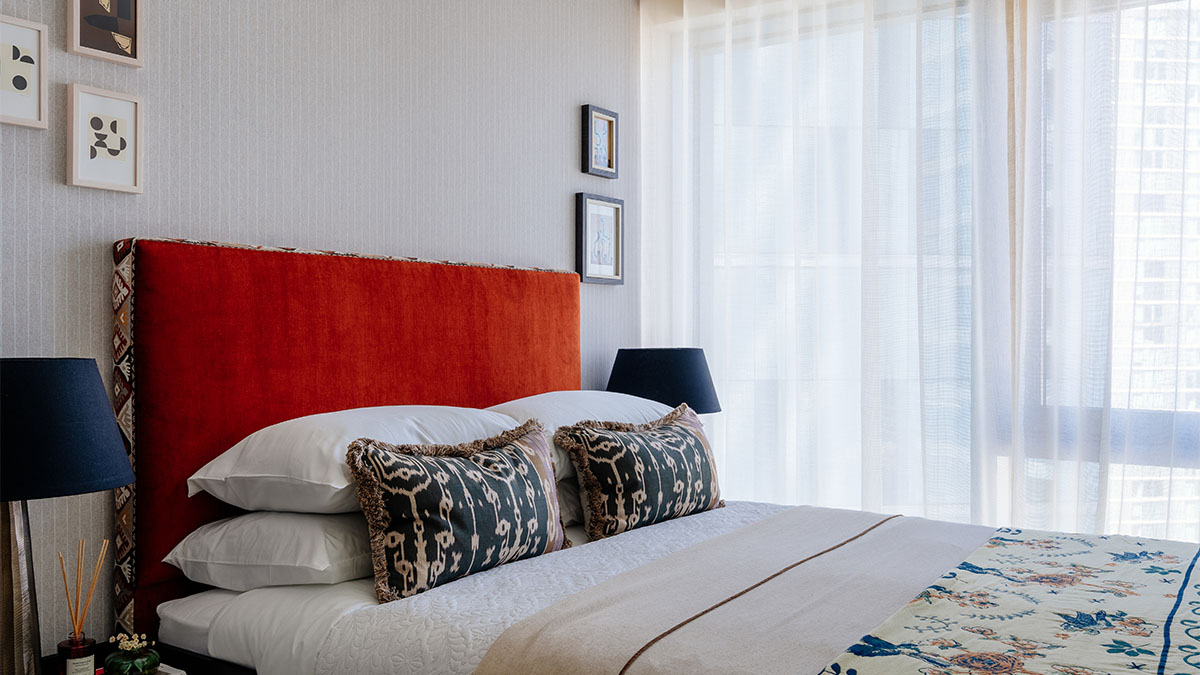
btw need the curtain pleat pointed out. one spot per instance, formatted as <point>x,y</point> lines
<point>18,605</point>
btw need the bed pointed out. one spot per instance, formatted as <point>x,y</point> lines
<point>214,341</point>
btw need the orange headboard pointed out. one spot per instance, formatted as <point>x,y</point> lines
<point>213,342</point>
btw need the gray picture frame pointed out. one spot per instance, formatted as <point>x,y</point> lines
<point>594,164</point>
<point>590,272</point>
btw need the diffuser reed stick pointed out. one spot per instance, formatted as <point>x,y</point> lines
<point>67,589</point>
<point>78,586</point>
<point>95,575</point>
<point>77,606</point>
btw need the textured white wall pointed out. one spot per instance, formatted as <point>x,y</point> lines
<point>438,128</point>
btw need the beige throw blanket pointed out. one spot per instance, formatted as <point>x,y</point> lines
<point>785,595</point>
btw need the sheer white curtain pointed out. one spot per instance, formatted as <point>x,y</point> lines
<point>944,257</point>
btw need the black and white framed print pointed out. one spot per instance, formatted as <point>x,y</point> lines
<point>106,29</point>
<point>599,239</point>
<point>23,73</point>
<point>599,141</point>
<point>106,139</point>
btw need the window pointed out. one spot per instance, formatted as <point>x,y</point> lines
<point>1156,298</point>
<point>831,208</point>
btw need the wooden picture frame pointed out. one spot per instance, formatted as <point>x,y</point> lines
<point>600,141</point>
<point>599,239</point>
<point>91,143</point>
<point>90,22</point>
<point>19,76</point>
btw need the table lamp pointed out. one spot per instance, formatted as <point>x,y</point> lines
<point>670,375</point>
<point>58,437</point>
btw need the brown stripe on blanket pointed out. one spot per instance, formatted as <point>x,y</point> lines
<point>799,621</point>
<point>746,590</point>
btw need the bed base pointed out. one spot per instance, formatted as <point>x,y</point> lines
<point>198,664</point>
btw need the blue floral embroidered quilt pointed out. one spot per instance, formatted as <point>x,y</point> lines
<point>1041,603</point>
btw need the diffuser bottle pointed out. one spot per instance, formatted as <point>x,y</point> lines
<point>77,656</point>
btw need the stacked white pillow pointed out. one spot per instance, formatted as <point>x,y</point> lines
<point>270,548</point>
<point>306,525</point>
<point>562,408</point>
<point>300,464</point>
<point>293,478</point>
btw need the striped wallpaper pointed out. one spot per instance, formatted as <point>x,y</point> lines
<point>442,129</point>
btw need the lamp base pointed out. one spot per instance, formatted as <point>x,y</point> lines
<point>18,598</point>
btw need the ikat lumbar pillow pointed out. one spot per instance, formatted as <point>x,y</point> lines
<point>632,475</point>
<point>440,512</point>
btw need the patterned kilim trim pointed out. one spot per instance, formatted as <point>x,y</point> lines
<point>125,568</point>
<point>343,254</point>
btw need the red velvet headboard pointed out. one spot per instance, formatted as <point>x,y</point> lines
<point>213,342</point>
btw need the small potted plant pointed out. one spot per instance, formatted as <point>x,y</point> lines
<point>132,657</point>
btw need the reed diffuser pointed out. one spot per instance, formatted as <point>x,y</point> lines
<point>77,654</point>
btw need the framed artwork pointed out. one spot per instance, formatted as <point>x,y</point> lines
<point>106,139</point>
<point>599,141</point>
<point>599,239</point>
<point>23,73</point>
<point>106,29</point>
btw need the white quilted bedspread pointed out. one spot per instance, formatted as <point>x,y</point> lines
<point>448,629</point>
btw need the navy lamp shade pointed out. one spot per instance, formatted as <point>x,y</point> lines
<point>671,375</point>
<point>58,435</point>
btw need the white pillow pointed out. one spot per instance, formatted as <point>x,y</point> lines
<point>300,464</point>
<point>562,408</point>
<point>276,549</point>
<point>570,508</point>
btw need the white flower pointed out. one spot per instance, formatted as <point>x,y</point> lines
<point>131,643</point>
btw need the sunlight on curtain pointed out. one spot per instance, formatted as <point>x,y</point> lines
<point>827,210</point>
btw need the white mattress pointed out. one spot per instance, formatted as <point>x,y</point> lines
<point>184,622</point>
<point>340,628</point>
